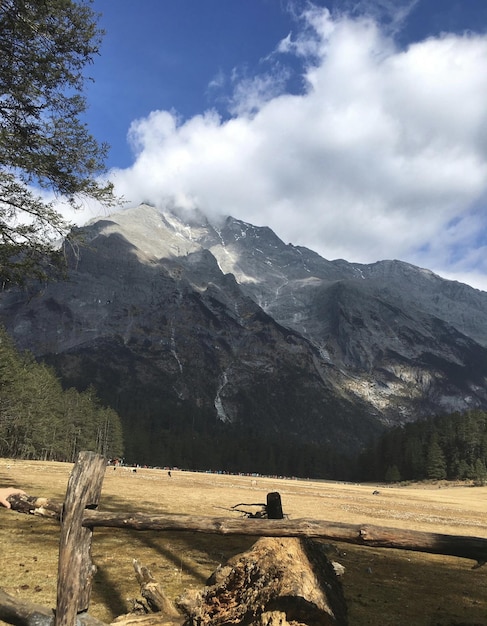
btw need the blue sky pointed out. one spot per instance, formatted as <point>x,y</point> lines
<point>357,128</point>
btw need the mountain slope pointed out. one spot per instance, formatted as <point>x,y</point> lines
<point>192,329</point>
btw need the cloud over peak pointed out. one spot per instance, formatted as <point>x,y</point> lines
<point>381,154</point>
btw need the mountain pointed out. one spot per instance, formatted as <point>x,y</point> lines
<point>220,345</point>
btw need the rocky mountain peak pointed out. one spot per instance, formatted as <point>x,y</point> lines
<point>185,322</point>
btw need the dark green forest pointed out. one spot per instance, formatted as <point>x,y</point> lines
<point>452,447</point>
<point>230,449</point>
<point>40,420</point>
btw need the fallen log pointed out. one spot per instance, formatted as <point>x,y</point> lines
<point>277,582</point>
<point>24,613</point>
<point>474,548</point>
<point>283,581</point>
<point>34,505</point>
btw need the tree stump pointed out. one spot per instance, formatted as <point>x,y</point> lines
<point>274,506</point>
<point>283,581</point>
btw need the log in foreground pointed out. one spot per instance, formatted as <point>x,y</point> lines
<point>24,613</point>
<point>474,548</point>
<point>277,582</point>
<point>280,581</point>
<point>361,534</point>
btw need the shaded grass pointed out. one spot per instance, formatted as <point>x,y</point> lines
<point>396,588</point>
<point>386,587</point>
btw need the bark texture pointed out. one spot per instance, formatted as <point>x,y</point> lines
<point>76,568</point>
<point>278,581</point>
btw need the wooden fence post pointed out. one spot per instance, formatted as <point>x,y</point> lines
<point>75,568</point>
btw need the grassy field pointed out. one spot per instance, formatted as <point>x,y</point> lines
<point>382,586</point>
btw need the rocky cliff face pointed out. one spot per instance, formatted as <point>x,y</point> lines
<point>183,324</point>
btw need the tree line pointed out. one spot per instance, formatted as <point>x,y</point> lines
<point>41,420</point>
<point>443,447</point>
<point>230,449</point>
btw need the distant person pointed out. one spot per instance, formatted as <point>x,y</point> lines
<point>169,474</point>
<point>5,492</point>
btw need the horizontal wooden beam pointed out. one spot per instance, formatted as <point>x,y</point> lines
<point>474,548</point>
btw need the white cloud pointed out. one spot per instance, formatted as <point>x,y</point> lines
<point>250,94</point>
<point>383,156</point>
<point>392,14</point>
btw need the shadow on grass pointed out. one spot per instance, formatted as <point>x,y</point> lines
<point>403,588</point>
<point>196,554</point>
<point>172,557</point>
<point>216,548</point>
<point>7,481</point>
<point>108,593</point>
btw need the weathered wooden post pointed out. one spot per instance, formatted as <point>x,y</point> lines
<point>75,568</point>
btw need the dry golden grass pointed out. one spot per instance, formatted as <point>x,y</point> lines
<point>386,587</point>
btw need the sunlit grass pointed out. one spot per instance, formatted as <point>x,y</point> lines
<point>387,587</point>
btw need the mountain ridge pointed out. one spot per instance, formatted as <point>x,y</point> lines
<point>187,324</point>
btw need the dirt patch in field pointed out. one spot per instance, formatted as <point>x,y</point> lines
<point>387,587</point>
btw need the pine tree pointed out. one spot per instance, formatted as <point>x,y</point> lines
<point>435,461</point>
<point>44,145</point>
<point>39,420</point>
<point>392,474</point>
<point>479,473</point>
